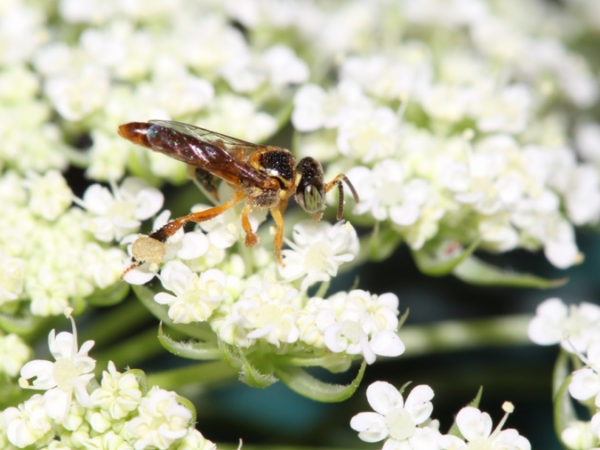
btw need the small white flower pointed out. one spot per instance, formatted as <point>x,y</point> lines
<point>195,441</point>
<point>369,134</point>
<point>107,440</point>
<point>476,428</point>
<point>48,292</point>
<point>268,312</point>
<point>506,111</point>
<point>29,422</point>
<point>108,157</point>
<point>559,242</point>
<point>574,326</point>
<point>12,277</point>
<point>178,92</point>
<point>278,66</point>
<point>402,423</point>
<point>582,198</point>
<point>284,67</point>
<point>161,421</point>
<point>239,117</point>
<point>349,337</point>
<point>595,425</point>
<point>49,194</point>
<point>77,95</point>
<point>374,312</point>
<point>120,212</point>
<point>385,193</point>
<point>315,317</point>
<point>70,374</point>
<point>587,137</point>
<point>119,393</point>
<point>14,353</point>
<point>314,108</point>
<point>317,250</point>
<point>585,383</point>
<point>579,435</point>
<point>196,297</point>
<point>445,102</point>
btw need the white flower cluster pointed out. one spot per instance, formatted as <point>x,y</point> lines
<point>46,256</point>
<point>456,135</point>
<point>406,424</point>
<point>14,353</point>
<point>114,62</point>
<point>577,329</point>
<point>274,309</point>
<point>117,414</point>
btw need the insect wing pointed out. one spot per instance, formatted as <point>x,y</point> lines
<point>221,155</point>
<point>212,137</point>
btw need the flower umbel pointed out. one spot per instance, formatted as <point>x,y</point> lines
<point>403,423</point>
<point>68,375</point>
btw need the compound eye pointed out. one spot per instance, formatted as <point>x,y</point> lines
<point>312,200</point>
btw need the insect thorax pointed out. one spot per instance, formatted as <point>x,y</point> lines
<point>261,198</point>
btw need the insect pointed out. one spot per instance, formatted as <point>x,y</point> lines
<point>263,176</point>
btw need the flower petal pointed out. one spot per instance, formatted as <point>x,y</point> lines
<point>371,426</point>
<point>383,397</point>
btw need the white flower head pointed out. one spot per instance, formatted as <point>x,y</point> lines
<point>267,312</point>
<point>369,134</point>
<point>317,250</point>
<point>314,108</point>
<point>374,312</point>
<point>402,423</point>
<point>49,194</point>
<point>118,395</point>
<point>70,374</point>
<point>120,213</point>
<point>385,193</point>
<point>278,66</point>
<point>14,353</point>
<point>196,297</point>
<point>585,383</point>
<point>476,428</point>
<point>574,326</point>
<point>78,94</point>
<point>161,420</point>
<point>12,277</point>
<point>29,422</point>
<point>348,336</point>
<point>580,434</point>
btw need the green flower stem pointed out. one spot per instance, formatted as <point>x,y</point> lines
<point>464,334</point>
<point>131,352</point>
<point>205,373</point>
<point>116,323</point>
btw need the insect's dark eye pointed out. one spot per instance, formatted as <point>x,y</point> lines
<point>313,201</point>
<point>310,192</point>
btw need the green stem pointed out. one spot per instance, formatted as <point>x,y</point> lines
<point>115,323</point>
<point>464,334</point>
<point>204,373</point>
<point>131,352</point>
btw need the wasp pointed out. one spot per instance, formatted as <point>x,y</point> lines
<point>263,176</point>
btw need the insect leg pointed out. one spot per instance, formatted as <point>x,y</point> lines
<point>338,181</point>
<point>278,241</point>
<point>168,230</point>
<point>251,237</point>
